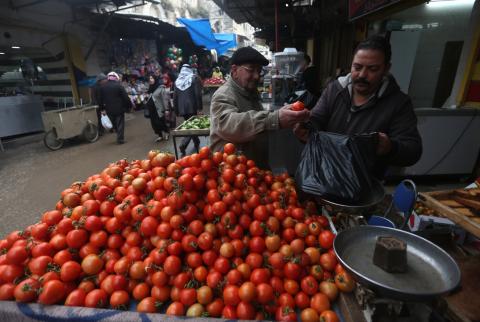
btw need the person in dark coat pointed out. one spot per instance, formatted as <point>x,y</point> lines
<point>157,106</point>
<point>100,80</point>
<point>187,101</point>
<point>114,101</point>
<point>369,100</point>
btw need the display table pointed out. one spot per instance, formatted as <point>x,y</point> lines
<point>179,132</point>
<point>20,312</point>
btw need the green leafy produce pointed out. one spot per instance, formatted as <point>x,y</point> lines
<point>197,123</point>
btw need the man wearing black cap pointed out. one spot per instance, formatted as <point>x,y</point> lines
<point>237,114</point>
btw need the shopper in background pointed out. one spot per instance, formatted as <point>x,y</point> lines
<point>157,105</point>
<point>217,73</point>
<point>237,114</point>
<point>167,81</point>
<point>187,101</point>
<point>100,80</point>
<point>369,100</point>
<point>114,101</point>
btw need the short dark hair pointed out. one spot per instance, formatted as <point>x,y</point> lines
<point>376,42</point>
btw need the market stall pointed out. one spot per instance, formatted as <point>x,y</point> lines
<point>194,126</point>
<point>210,85</point>
<point>141,235</point>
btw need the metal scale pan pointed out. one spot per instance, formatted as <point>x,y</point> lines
<point>431,271</point>
<point>367,199</point>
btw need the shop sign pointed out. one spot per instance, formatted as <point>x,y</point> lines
<point>360,8</point>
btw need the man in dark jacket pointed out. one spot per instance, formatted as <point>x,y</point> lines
<point>114,101</point>
<point>187,101</point>
<point>100,80</point>
<point>369,100</point>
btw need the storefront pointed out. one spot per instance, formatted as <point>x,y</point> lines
<point>435,61</point>
<point>33,78</point>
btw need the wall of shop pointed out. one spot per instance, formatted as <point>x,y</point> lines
<point>333,51</point>
<point>49,35</point>
<point>427,45</point>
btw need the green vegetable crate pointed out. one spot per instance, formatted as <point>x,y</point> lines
<point>196,125</point>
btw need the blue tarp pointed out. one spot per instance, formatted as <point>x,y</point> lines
<point>202,35</point>
<point>226,41</point>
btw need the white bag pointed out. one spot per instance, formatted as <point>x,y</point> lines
<point>106,123</point>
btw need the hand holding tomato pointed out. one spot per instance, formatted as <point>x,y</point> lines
<point>298,106</point>
<point>288,117</point>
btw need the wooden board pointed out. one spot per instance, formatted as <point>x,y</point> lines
<point>348,305</point>
<point>464,305</point>
<point>199,132</point>
<point>431,200</point>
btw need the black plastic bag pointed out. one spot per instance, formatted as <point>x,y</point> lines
<point>337,167</point>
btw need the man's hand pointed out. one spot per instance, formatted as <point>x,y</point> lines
<point>288,118</point>
<point>384,144</point>
<point>301,132</point>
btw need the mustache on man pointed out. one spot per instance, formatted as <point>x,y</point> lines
<point>361,80</point>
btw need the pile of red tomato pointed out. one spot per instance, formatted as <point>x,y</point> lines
<point>213,81</point>
<point>210,234</point>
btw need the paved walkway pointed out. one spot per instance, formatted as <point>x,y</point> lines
<point>32,176</point>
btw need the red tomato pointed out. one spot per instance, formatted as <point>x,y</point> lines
<point>52,292</point>
<point>285,313</point>
<point>17,255</point>
<point>70,271</point>
<point>298,106</point>
<point>245,311</point>
<point>172,265</point>
<point>230,295</point>
<point>328,261</point>
<point>265,293</point>
<point>38,265</point>
<point>344,282</point>
<point>320,302</point>
<point>326,238</point>
<point>176,308</point>
<point>309,285</point>
<point>6,292</point>
<point>188,296</point>
<point>329,316</point>
<point>26,290</point>
<point>76,298</point>
<point>96,298</point>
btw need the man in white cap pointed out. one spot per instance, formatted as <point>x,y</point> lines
<point>114,101</point>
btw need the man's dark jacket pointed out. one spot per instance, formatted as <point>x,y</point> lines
<point>189,101</point>
<point>390,112</point>
<point>113,98</point>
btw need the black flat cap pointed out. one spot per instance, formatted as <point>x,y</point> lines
<point>247,55</point>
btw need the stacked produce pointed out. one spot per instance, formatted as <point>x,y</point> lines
<point>196,123</point>
<point>213,81</point>
<point>206,235</point>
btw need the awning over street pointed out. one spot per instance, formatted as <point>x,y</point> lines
<point>202,35</point>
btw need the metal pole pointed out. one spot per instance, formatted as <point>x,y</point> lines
<point>276,25</point>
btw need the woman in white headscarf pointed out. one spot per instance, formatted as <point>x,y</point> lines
<point>187,101</point>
